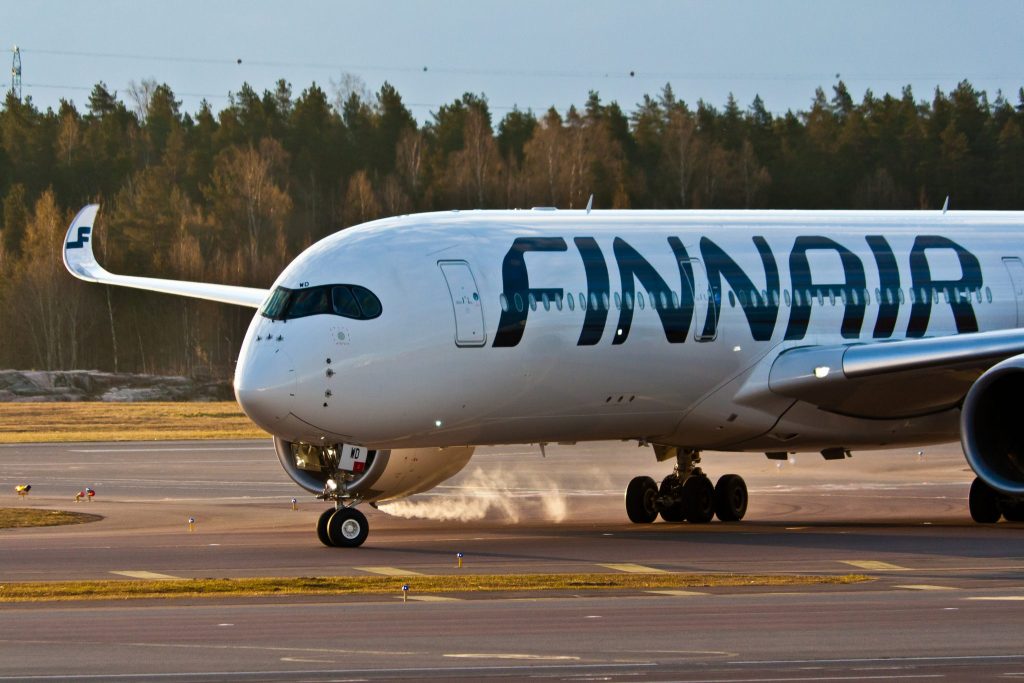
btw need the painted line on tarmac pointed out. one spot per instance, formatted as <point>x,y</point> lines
<point>388,571</point>
<point>430,598</point>
<point>876,565</point>
<point>513,655</point>
<point>680,594</point>
<point>152,576</point>
<point>170,450</point>
<point>926,587</point>
<point>997,598</point>
<point>630,568</point>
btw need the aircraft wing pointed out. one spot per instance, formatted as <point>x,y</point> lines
<point>891,379</point>
<point>80,261</point>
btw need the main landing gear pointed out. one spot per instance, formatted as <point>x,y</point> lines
<point>342,527</point>
<point>988,505</point>
<point>687,494</point>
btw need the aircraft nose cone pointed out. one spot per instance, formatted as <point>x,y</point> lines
<point>265,383</point>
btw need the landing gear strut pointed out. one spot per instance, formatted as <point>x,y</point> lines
<point>687,494</point>
<point>343,527</point>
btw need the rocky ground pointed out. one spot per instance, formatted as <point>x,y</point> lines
<point>92,385</point>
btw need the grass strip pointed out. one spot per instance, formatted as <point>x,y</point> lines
<point>95,421</point>
<point>16,518</point>
<point>363,585</point>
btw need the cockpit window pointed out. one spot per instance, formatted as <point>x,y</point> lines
<point>348,301</point>
<point>368,301</point>
<point>344,303</point>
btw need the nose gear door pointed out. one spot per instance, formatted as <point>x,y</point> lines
<point>469,313</point>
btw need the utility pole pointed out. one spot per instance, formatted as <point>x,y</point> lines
<point>16,73</point>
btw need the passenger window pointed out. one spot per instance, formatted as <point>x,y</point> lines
<point>571,300</point>
<point>821,298</point>
<point>640,300</point>
<point>533,302</point>
<point>732,299</point>
<point>618,302</point>
<point>663,299</point>
<point>558,301</point>
<point>627,300</point>
<point>604,301</point>
<point>913,295</point>
<point>788,300</point>
<point>583,302</point>
<point>503,300</point>
<point>675,300</point>
<point>546,301</point>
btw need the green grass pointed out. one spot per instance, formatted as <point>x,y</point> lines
<point>14,518</point>
<point>382,585</point>
<point>93,421</point>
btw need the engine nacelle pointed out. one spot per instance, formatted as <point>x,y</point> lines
<point>386,474</point>
<point>992,427</point>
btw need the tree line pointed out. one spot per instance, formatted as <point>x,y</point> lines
<point>233,195</point>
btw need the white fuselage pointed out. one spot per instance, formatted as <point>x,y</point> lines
<point>466,351</point>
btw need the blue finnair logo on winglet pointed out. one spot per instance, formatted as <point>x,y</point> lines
<point>83,237</point>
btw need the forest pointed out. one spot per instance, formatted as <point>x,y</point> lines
<point>233,195</point>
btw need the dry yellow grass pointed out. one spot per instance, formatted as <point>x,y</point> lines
<point>49,422</point>
<point>14,518</point>
<point>347,585</point>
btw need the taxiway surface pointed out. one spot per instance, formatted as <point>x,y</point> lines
<point>948,599</point>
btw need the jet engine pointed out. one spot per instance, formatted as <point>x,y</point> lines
<point>372,475</point>
<point>992,427</point>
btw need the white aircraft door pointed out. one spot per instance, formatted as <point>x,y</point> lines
<point>702,298</point>
<point>469,313</point>
<point>1016,269</point>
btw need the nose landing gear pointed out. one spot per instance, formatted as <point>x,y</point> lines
<point>687,494</point>
<point>343,527</point>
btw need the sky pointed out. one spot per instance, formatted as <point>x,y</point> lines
<point>526,53</point>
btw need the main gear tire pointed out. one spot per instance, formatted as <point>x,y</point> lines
<point>730,498</point>
<point>698,499</point>
<point>984,503</point>
<point>641,500</point>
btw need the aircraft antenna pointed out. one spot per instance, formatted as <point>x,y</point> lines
<point>590,204</point>
<point>16,73</point>
<point>945,205</point>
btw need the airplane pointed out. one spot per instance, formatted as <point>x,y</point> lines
<point>386,352</point>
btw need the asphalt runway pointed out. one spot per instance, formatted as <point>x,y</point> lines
<point>947,600</point>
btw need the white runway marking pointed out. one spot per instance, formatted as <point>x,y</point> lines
<point>525,657</point>
<point>431,598</point>
<point>202,449</point>
<point>630,568</point>
<point>994,598</point>
<point>875,565</point>
<point>926,587</point>
<point>680,594</point>
<point>388,571</point>
<point>154,576</point>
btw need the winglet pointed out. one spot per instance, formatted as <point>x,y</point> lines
<point>81,262</point>
<point>78,256</point>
